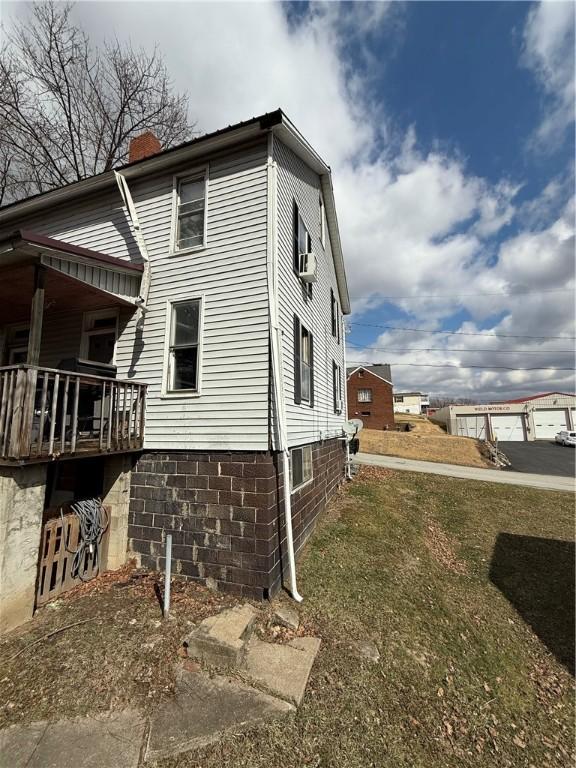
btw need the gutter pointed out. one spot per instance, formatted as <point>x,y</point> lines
<point>133,214</point>
<point>276,363</point>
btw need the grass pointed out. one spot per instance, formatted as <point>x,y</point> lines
<point>465,587</point>
<point>463,680</point>
<point>428,442</point>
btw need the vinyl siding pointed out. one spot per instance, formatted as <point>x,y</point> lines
<point>232,411</point>
<point>305,424</point>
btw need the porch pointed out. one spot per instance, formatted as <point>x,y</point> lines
<point>48,414</point>
<point>63,310</point>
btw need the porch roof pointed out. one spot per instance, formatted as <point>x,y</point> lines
<point>77,277</point>
<point>25,242</point>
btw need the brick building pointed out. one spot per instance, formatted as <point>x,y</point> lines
<point>370,396</point>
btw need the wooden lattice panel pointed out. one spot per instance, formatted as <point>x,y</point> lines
<point>60,537</point>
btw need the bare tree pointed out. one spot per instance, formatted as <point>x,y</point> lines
<point>68,110</point>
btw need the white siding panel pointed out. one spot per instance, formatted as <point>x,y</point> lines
<point>232,411</point>
<point>297,181</point>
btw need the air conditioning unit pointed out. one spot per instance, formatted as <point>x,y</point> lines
<point>308,268</point>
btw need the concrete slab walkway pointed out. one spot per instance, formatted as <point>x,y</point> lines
<point>109,740</point>
<point>204,708</point>
<point>544,482</point>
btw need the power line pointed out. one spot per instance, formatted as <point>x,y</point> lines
<point>476,295</point>
<point>466,351</point>
<point>462,333</point>
<point>461,367</point>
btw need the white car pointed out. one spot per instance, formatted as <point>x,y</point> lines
<point>566,438</point>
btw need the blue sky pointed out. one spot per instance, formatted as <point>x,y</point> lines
<point>450,131</point>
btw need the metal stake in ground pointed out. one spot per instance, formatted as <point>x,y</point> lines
<point>167,574</point>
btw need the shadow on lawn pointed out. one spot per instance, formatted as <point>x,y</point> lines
<point>537,577</point>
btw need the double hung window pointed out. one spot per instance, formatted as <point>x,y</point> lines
<point>183,348</point>
<point>190,213</point>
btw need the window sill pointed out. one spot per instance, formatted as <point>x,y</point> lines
<point>179,393</point>
<point>301,487</point>
<point>185,251</point>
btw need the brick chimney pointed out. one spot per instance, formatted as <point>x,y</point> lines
<point>145,145</point>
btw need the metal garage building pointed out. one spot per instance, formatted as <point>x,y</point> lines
<point>538,417</point>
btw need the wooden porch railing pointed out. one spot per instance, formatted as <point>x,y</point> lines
<point>46,414</point>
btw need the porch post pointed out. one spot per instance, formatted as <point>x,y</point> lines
<point>36,316</point>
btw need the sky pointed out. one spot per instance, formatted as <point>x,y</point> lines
<point>449,128</point>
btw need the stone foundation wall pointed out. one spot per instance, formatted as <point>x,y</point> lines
<point>224,513</point>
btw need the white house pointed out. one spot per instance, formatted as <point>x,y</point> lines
<point>410,402</point>
<point>172,343</point>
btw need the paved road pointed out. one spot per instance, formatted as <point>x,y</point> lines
<point>545,482</point>
<point>543,457</point>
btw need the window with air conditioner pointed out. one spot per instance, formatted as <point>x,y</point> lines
<point>364,395</point>
<point>301,471</point>
<point>304,261</point>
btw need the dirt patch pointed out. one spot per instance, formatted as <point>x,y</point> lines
<point>438,447</point>
<point>102,646</point>
<point>420,424</point>
<point>441,548</point>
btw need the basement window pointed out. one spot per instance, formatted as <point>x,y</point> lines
<point>300,467</point>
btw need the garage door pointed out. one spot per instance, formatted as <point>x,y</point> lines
<point>508,427</point>
<point>573,414</point>
<point>548,423</point>
<point>471,426</point>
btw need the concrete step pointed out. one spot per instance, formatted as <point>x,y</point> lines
<point>282,670</point>
<point>221,640</point>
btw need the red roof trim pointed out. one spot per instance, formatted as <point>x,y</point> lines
<point>32,238</point>
<point>535,397</point>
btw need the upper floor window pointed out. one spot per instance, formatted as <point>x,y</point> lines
<point>99,334</point>
<point>303,364</point>
<point>398,398</point>
<point>322,215</point>
<point>301,243</point>
<point>364,395</point>
<point>190,224</point>
<point>333,313</point>
<point>183,345</point>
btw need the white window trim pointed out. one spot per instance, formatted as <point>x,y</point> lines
<point>193,173</point>
<point>311,479</point>
<point>180,393</point>
<point>87,333</point>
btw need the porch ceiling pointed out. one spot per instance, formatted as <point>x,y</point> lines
<point>62,293</point>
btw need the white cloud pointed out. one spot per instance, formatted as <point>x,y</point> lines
<point>548,50</point>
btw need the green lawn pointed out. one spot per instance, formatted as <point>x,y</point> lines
<point>467,589</point>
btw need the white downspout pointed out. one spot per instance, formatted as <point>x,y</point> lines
<point>276,355</point>
<point>132,213</point>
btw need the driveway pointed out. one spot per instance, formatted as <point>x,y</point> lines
<point>542,457</point>
<point>544,482</point>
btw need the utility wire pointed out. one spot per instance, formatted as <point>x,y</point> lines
<point>461,333</point>
<point>466,351</point>
<point>475,295</point>
<point>482,367</point>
